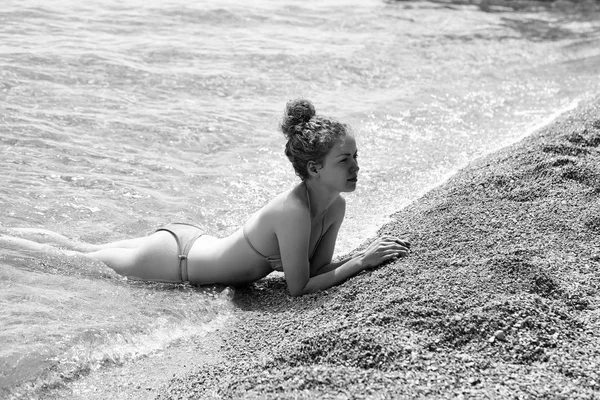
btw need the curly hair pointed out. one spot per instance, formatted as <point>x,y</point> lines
<point>309,136</point>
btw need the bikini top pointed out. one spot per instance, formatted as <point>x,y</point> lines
<point>275,261</point>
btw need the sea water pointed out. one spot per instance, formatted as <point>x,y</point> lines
<point>119,116</point>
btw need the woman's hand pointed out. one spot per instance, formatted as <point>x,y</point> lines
<point>384,249</point>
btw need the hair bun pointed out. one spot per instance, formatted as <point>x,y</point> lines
<point>297,113</point>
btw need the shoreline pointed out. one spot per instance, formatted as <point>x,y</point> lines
<point>499,297</point>
<point>140,378</point>
<point>429,325</point>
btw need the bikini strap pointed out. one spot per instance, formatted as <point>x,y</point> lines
<point>309,209</point>
<point>307,197</point>
<point>322,220</point>
<point>250,243</point>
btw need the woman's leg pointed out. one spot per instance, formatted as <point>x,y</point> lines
<point>6,241</point>
<point>56,239</point>
<point>121,244</point>
<point>50,237</point>
<point>153,258</point>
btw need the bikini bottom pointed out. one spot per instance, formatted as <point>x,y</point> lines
<point>185,235</point>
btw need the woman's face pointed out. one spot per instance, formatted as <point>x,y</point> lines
<point>340,168</point>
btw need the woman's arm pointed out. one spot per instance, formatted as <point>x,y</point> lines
<point>336,275</point>
<point>324,254</point>
<point>379,251</point>
<point>293,235</point>
<point>321,262</point>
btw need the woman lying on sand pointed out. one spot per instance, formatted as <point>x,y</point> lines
<point>294,233</point>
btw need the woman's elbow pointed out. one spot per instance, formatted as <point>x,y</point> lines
<point>297,291</point>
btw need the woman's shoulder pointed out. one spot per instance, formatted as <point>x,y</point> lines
<point>284,208</point>
<point>292,202</point>
<point>288,203</point>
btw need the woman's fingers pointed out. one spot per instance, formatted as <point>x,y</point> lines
<point>401,253</point>
<point>395,247</point>
<point>392,255</point>
<point>402,242</point>
<point>387,248</point>
<point>395,239</point>
<point>394,251</point>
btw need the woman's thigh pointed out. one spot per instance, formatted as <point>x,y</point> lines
<point>155,258</point>
<point>126,243</point>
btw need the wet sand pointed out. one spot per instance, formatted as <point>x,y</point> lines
<point>499,297</point>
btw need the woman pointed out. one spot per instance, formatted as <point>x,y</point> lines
<point>294,233</point>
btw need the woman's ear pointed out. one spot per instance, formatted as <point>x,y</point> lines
<point>313,169</point>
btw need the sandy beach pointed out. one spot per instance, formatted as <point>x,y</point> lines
<point>499,297</point>
<point>118,118</point>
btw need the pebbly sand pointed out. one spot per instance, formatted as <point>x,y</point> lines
<point>499,297</point>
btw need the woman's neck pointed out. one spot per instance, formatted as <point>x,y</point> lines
<point>319,198</point>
